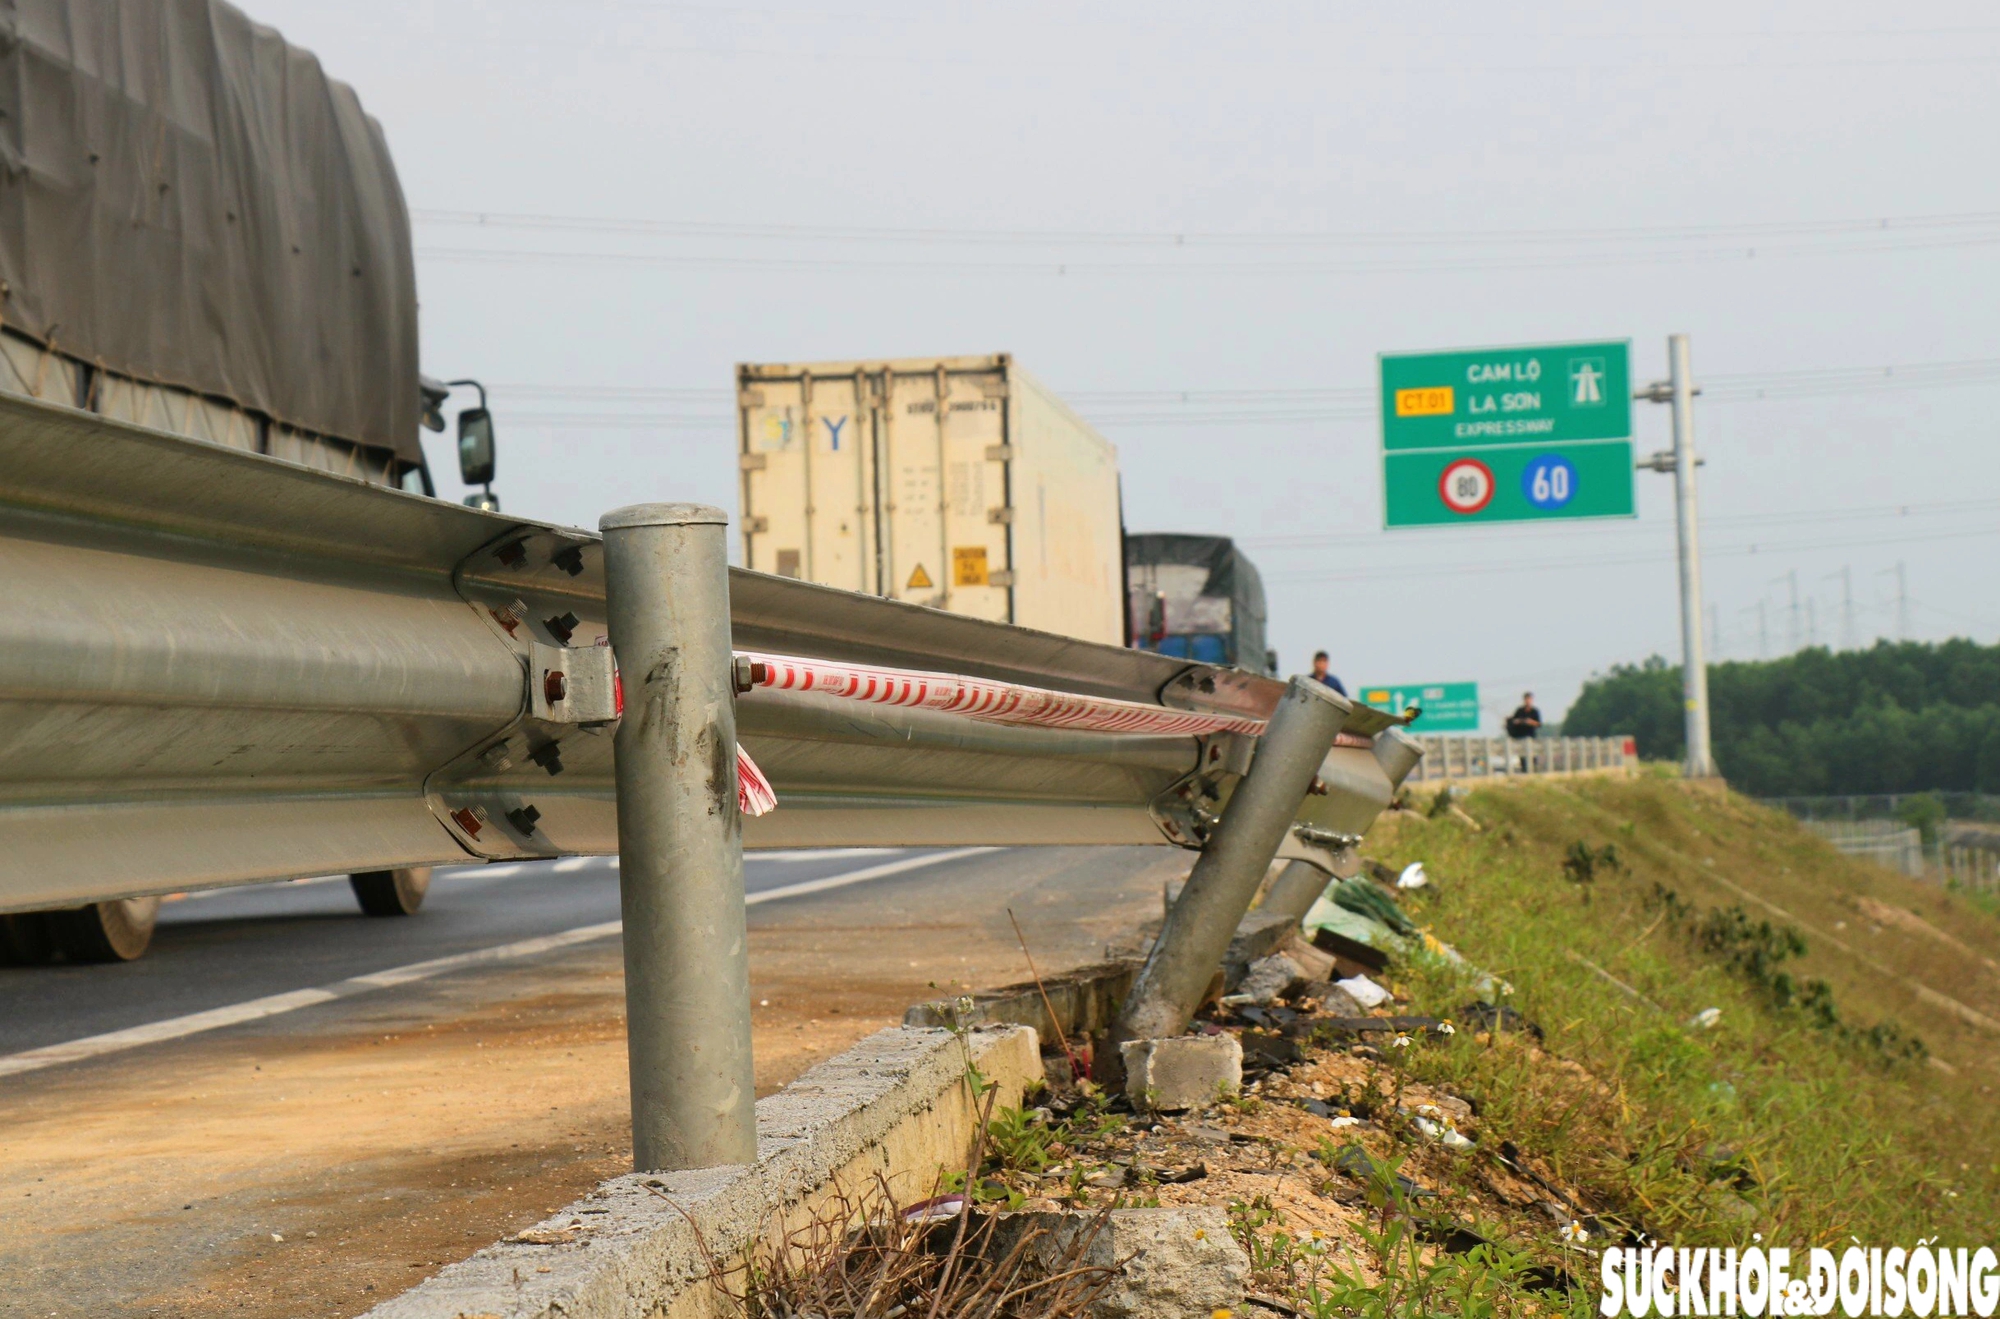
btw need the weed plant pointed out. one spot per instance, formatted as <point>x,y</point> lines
<point>1779,1113</point>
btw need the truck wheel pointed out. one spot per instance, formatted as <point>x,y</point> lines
<point>115,931</point>
<point>25,939</point>
<point>391,892</point>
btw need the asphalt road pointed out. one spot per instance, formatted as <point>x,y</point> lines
<point>213,1163</point>
<point>226,946</point>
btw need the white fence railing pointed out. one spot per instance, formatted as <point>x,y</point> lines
<point>1886,842</point>
<point>1900,847</point>
<point>1469,757</point>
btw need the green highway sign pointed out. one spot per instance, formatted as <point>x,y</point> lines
<point>1448,707</point>
<point>1425,488</point>
<point>1507,434</point>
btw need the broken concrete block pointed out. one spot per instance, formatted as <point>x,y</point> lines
<point>1178,1261</point>
<point>1187,1071</point>
<point>1267,980</point>
<point>1258,935</point>
<point>1313,963</point>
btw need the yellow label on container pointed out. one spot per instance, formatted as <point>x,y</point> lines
<point>919,580</point>
<point>1434,401</point>
<point>968,565</point>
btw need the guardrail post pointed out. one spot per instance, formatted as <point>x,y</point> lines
<point>680,839</point>
<point>1239,851</point>
<point>1295,890</point>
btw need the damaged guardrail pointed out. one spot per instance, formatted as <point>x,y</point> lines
<point>218,668</point>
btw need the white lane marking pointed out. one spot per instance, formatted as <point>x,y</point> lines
<point>271,1005</point>
<point>861,876</point>
<point>818,853</point>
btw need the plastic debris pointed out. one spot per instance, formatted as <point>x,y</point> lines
<point>1706,1019</point>
<point>1444,1133</point>
<point>1364,991</point>
<point>936,1209</point>
<point>1366,899</point>
<point>1413,876</point>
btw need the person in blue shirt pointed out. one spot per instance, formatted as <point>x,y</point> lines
<point>1320,673</point>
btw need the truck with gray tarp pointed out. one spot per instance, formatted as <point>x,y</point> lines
<point>1196,598</point>
<point>202,233</point>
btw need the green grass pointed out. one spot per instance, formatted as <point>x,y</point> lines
<point>1832,1097</point>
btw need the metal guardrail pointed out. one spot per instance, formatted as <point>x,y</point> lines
<point>216,667</point>
<point>1449,756</point>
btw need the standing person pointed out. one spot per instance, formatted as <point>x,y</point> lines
<point>1320,674</point>
<point>1525,724</point>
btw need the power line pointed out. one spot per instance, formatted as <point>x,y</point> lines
<point>1633,529</point>
<point>1404,571</point>
<point>1238,407</point>
<point>1979,222</point>
<point>1510,261</point>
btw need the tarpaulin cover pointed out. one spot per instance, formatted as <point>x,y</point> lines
<point>190,201</point>
<point>1231,577</point>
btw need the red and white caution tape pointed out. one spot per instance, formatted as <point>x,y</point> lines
<point>991,702</point>
<point>754,794</point>
<point>974,698</point>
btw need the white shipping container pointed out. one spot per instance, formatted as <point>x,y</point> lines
<point>955,482</point>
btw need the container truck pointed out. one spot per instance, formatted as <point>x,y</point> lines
<point>204,234</point>
<point>1196,598</point>
<point>956,482</point>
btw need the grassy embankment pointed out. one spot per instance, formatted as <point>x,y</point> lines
<point>1847,1087</point>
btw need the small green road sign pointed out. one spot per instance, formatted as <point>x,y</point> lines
<point>1448,707</point>
<point>1507,434</point>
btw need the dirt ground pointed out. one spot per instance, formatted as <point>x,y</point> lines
<point>321,1162</point>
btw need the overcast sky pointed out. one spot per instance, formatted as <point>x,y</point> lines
<point>1347,180</point>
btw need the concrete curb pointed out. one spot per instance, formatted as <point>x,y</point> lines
<point>639,1246</point>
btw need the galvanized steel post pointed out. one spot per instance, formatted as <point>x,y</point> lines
<point>680,839</point>
<point>1295,890</point>
<point>1239,851</point>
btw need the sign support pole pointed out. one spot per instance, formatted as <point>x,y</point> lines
<point>1679,391</point>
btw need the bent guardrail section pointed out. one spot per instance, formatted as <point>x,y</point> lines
<point>219,667</point>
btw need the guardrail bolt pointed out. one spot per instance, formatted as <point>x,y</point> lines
<point>746,673</point>
<point>555,686</point>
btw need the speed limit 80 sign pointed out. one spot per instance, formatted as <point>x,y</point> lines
<point>1466,486</point>
<point>1506,434</point>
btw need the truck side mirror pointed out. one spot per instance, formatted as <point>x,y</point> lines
<point>475,446</point>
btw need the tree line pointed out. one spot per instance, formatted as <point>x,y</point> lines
<point>1898,717</point>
